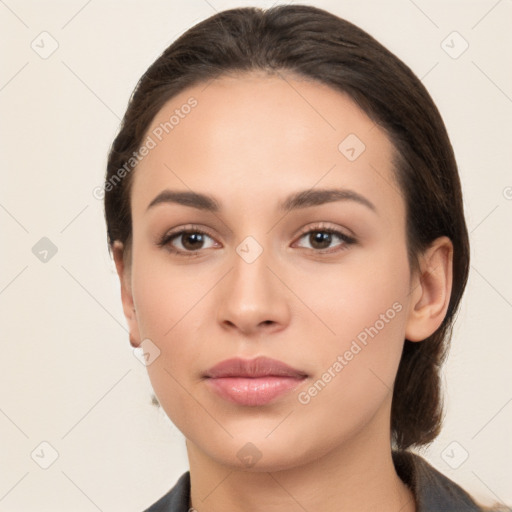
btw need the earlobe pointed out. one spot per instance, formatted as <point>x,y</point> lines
<point>431,291</point>
<point>126,293</point>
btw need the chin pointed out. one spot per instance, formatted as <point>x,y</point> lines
<point>254,460</point>
<point>257,453</point>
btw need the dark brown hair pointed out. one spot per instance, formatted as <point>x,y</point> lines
<point>315,44</point>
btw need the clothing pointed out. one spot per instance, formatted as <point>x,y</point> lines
<point>433,491</point>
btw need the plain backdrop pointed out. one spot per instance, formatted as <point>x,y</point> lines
<point>69,378</point>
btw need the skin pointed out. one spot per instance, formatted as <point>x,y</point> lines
<point>251,140</point>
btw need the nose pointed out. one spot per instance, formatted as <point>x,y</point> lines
<point>252,299</point>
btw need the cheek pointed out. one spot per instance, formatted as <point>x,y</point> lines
<point>164,293</point>
<point>366,290</point>
<point>357,366</point>
<point>170,305</point>
<point>364,308</point>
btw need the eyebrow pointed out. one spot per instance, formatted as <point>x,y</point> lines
<point>297,200</point>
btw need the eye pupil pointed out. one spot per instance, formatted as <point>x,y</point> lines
<point>321,237</point>
<point>195,238</point>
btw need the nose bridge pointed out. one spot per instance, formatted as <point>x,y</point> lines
<point>251,279</point>
<point>252,296</point>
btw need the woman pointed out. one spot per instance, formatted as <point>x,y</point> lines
<point>285,213</point>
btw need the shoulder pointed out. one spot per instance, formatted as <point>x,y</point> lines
<point>175,500</point>
<point>433,490</point>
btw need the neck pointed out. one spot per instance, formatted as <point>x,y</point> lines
<point>359,475</point>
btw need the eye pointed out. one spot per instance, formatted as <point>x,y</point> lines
<point>321,238</point>
<point>191,240</point>
<point>186,242</point>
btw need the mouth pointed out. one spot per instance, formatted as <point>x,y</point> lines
<point>252,382</point>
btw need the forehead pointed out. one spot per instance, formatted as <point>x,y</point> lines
<point>260,136</point>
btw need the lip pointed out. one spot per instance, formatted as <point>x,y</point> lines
<point>252,382</point>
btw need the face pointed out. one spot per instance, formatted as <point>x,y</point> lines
<point>321,284</point>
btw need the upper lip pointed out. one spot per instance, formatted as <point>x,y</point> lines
<point>258,367</point>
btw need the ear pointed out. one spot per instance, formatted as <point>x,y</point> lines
<point>431,290</point>
<point>123,271</point>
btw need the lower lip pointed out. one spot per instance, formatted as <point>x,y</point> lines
<point>252,391</point>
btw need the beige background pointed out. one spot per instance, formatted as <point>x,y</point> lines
<point>68,375</point>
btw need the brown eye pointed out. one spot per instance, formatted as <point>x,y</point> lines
<point>320,239</point>
<point>186,242</point>
<point>323,240</point>
<point>192,241</point>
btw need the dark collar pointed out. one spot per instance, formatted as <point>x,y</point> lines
<point>433,491</point>
<point>177,499</point>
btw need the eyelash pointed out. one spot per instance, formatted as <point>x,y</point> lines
<point>168,237</point>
